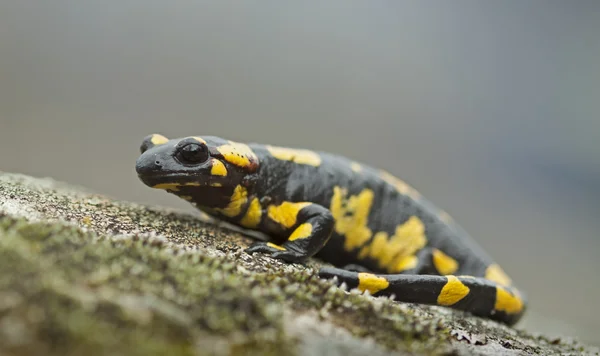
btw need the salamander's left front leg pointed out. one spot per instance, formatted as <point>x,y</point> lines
<point>310,226</point>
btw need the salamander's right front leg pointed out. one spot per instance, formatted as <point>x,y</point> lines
<point>310,226</point>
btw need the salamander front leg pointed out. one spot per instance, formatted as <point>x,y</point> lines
<point>309,234</point>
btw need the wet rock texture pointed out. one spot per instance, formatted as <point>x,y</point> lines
<point>84,274</point>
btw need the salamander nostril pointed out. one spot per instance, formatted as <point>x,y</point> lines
<point>149,164</point>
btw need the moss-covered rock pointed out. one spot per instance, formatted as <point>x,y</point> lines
<point>83,274</point>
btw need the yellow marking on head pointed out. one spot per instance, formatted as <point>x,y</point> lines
<point>218,168</point>
<point>286,213</point>
<point>496,274</point>
<point>299,156</point>
<point>452,292</point>
<point>281,248</point>
<point>170,186</point>
<point>389,252</point>
<point>199,139</point>
<point>444,263</point>
<point>236,201</point>
<point>445,217</point>
<point>371,282</point>
<point>405,263</point>
<point>351,216</point>
<point>158,139</point>
<point>238,154</point>
<point>303,231</point>
<point>252,217</point>
<point>400,185</point>
<point>507,302</point>
<point>216,184</point>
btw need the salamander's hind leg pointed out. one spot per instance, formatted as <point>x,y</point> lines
<point>309,234</point>
<point>476,295</point>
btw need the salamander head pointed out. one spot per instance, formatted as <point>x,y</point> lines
<point>204,170</point>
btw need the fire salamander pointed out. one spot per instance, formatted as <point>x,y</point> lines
<point>380,233</point>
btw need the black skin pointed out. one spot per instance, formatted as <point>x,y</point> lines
<point>183,167</point>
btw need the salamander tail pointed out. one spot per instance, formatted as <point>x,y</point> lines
<point>476,295</point>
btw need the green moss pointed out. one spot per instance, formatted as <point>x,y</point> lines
<point>73,295</point>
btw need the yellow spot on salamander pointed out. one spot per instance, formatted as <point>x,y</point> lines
<point>277,247</point>
<point>405,263</point>
<point>286,213</point>
<point>356,167</point>
<point>199,139</point>
<point>218,168</point>
<point>303,231</point>
<point>378,250</point>
<point>168,186</point>
<point>371,282</point>
<point>158,139</point>
<point>216,184</point>
<point>239,154</point>
<point>237,200</point>
<point>351,216</point>
<point>496,274</point>
<point>445,217</point>
<point>252,217</point>
<point>295,155</point>
<point>400,185</point>
<point>444,263</point>
<point>408,238</point>
<point>452,292</point>
<point>507,302</point>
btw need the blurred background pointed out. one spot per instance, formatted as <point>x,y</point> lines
<point>490,109</point>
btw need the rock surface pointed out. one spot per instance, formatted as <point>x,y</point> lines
<point>84,274</point>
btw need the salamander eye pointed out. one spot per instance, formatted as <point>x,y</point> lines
<point>192,153</point>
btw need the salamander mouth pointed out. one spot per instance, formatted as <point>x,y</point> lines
<point>183,179</point>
